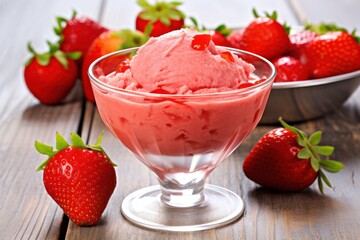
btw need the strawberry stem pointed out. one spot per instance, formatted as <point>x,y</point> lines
<point>314,153</point>
<point>61,144</point>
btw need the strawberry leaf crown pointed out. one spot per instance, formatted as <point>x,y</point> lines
<point>61,24</point>
<point>274,16</point>
<point>61,144</point>
<point>318,155</point>
<point>223,30</point>
<point>323,28</point>
<point>54,51</point>
<point>160,11</point>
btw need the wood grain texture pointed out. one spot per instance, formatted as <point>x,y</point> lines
<point>26,211</point>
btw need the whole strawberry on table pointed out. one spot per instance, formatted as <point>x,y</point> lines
<point>50,76</point>
<point>80,178</point>
<point>286,159</point>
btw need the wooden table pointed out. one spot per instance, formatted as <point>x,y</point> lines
<point>27,212</point>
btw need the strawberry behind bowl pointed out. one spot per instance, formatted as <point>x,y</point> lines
<point>331,55</point>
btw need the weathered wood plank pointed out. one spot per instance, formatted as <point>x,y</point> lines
<point>26,211</point>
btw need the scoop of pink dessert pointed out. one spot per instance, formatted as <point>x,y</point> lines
<point>169,64</point>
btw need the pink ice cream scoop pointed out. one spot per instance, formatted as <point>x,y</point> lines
<point>205,108</point>
<point>170,64</point>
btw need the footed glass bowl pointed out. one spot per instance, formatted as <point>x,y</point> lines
<point>181,139</point>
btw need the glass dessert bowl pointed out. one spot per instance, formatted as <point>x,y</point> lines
<point>181,139</point>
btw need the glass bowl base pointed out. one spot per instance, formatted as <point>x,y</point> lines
<point>145,208</point>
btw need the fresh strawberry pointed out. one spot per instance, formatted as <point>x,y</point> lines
<point>235,37</point>
<point>331,54</point>
<point>80,178</point>
<point>289,69</point>
<point>159,18</point>
<point>265,36</point>
<point>50,76</point>
<point>77,33</point>
<point>299,41</point>
<point>105,43</point>
<point>286,159</point>
<point>219,36</point>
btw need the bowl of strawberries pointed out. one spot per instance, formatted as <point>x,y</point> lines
<point>318,66</point>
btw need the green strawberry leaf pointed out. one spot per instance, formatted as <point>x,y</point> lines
<point>99,140</point>
<point>74,55</point>
<point>301,142</point>
<point>144,4</point>
<point>61,57</point>
<point>304,154</point>
<point>43,59</point>
<point>325,179</point>
<point>149,16</point>
<point>174,15</point>
<point>165,20</point>
<point>320,184</point>
<point>315,163</point>
<point>332,165</point>
<point>324,150</point>
<point>61,143</point>
<point>77,141</point>
<point>44,148</point>
<point>315,138</point>
<point>175,3</point>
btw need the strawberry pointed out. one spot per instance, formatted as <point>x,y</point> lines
<point>286,159</point>
<point>265,36</point>
<point>80,178</point>
<point>219,36</point>
<point>333,53</point>
<point>235,37</point>
<point>50,76</point>
<point>299,41</point>
<point>159,18</point>
<point>77,33</point>
<point>289,69</point>
<point>105,43</point>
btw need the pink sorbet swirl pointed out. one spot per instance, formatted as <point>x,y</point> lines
<point>169,64</point>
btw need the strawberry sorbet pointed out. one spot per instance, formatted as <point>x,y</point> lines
<point>205,109</point>
<point>170,64</point>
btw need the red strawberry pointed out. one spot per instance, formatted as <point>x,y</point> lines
<point>77,33</point>
<point>219,36</point>
<point>299,41</point>
<point>50,76</point>
<point>105,43</point>
<point>265,36</point>
<point>80,178</point>
<point>162,17</point>
<point>286,159</point>
<point>289,69</point>
<point>235,37</point>
<point>331,54</point>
